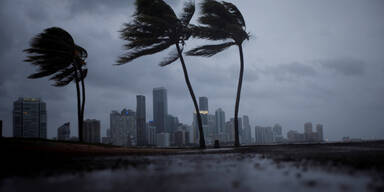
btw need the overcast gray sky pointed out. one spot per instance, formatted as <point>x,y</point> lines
<point>308,60</point>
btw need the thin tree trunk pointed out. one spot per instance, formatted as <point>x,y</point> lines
<point>79,119</point>
<point>237,141</point>
<point>83,96</point>
<point>201,133</point>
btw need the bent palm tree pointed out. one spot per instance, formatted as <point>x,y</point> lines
<point>222,21</point>
<point>56,55</point>
<point>155,28</point>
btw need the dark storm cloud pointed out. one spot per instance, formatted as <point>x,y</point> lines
<point>303,65</point>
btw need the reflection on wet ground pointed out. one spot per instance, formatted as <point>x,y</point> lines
<point>201,172</point>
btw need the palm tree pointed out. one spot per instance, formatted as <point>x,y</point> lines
<point>56,54</point>
<point>222,21</point>
<point>155,27</point>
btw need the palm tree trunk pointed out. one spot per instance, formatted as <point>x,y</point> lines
<point>83,97</point>
<point>79,115</point>
<point>237,141</point>
<point>201,133</point>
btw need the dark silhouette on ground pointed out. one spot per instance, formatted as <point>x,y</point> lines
<point>28,157</point>
<point>155,28</point>
<point>222,21</point>
<point>55,54</point>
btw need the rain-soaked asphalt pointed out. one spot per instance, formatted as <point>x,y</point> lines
<point>201,172</point>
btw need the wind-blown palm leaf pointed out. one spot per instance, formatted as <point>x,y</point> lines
<point>209,33</point>
<point>188,11</point>
<point>172,57</point>
<point>142,52</point>
<point>209,50</point>
<point>155,27</point>
<point>222,21</point>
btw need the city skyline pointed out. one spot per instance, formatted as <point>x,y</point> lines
<point>337,82</point>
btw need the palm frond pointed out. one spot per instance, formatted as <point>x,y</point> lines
<point>188,11</point>
<point>134,54</point>
<point>155,8</point>
<point>236,14</point>
<point>209,50</point>
<point>209,33</point>
<point>172,57</point>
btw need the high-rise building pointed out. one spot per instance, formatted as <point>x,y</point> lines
<point>123,128</point>
<point>212,131</point>
<point>277,133</point>
<point>247,137</point>
<point>220,120</point>
<point>91,131</point>
<point>263,135</point>
<point>29,118</point>
<point>172,123</point>
<point>203,106</point>
<point>141,124</point>
<point>151,130</point>
<point>160,109</point>
<point>162,139</point>
<point>308,131</point>
<point>64,132</point>
<point>319,131</point>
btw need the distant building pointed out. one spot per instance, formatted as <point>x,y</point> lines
<point>141,124</point>
<point>277,133</point>
<point>263,135</point>
<point>108,139</point>
<point>295,137</point>
<point>151,130</point>
<point>64,132</point>
<point>220,122</point>
<point>162,140</point>
<point>160,109</point>
<point>123,127</point>
<point>247,135</point>
<point>310,136</point>
<point>91,131</point>
<point>172,123</point>
<point>203,107</point>
<point>212,133</point>
<point>29,118</point>
<point>319,130</point>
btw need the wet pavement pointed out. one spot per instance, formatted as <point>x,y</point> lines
<point>201,172</point>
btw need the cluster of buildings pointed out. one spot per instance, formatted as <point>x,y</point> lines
<point>216,127</point>
<point>309,135</point>
<point>131,128</point>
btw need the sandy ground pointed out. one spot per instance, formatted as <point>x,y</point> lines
<point>52,166</point>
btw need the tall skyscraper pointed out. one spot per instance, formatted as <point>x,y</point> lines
<point>29,118</point>
<point>203,106</point>
<point>141,124</point>
<point>91,131</point>
<point>151,130</point>
<point>319,131</point>
<point>308,131</point>
<point>160,109</point>
<point>123,128</point>
<point>64,132</point>
<point>247,137</point>
<point>220,120</point>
